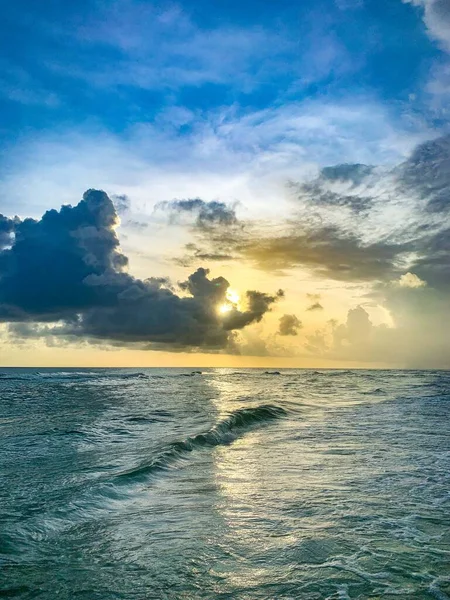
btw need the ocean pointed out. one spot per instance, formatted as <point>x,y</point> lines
<point>174,484</point>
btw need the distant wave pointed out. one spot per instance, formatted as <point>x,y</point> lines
<point>6,377</point>
<point>239,373</point>
<point>191,374</point>
<point>71,375</point>
<point>223,433</point>
<point>97,374</point>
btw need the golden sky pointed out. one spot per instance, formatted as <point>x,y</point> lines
<point>226,187</point>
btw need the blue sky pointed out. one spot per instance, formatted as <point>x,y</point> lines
<point>241,105</point>
<point>196,82</point>
<point>113,64</point>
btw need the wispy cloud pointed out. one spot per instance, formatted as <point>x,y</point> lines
<point>225,155</point>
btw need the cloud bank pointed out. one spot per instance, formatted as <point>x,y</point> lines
<point>351,223</point>
<point>68,268</point>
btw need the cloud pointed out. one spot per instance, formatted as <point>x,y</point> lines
<point>289,325</point>
<point>315,304</point>
<point>357,339</point>
<point>410,280</point>
<point>337,186</point>
<point>436,16</point>
<point>157,48</point>
<point>414,339</point>
<point>328,251</point>
<point>43,273</point>
<point>168,47</point>
<point>206,214</point>
<point>7,227</point>
<point>67,268</point>
<point>136,225</point>
<point>224,155</point>
<point>353,222</point>
<point>121,202</point>
<point>194,254</point>
<point>258,304</point>
<point>356,331</point>
<point>426,174</point>
<point>433,263</point>
<point>18,85</point>
<point>214,224</point>
<point>356,223</point>
<point>317,343</point>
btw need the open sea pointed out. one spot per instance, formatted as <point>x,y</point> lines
<point>168,484</point>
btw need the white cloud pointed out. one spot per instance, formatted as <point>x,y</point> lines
<point>226,155</point>
<point>410,280</point>
<point>157,48</point>
<point>436,16</point>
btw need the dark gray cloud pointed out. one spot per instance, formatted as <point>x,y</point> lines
<point>43,275</point>
<point>328,251</point>
<point>427,174</point>
<point>433,262</point>
<point>68,267</point>
<point>354,173</point>
<point>328,188</point>
<point>258,304</point>
<point>205,214</point>
<point>289,325</point>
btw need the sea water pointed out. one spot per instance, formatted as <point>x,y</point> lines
<point>169,484</point>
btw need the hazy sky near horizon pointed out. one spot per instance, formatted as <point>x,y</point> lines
<point>251,183</point>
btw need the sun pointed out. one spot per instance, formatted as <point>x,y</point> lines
<point>224,308</point>
<point>232,301</point>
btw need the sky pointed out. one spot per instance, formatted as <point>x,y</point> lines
<point>225,184</point>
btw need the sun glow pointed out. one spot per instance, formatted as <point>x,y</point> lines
<point>224,308</point>
<point>232,296</point>
<point>232,301</point>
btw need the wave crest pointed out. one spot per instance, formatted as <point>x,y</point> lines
<point>225,432</point>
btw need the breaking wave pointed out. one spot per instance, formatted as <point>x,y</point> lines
<point>223,433</point>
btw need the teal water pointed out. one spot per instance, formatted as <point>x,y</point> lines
<point>155,483</point>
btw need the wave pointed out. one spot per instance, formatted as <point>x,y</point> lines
<point>88,374</point>
<point>71,375</point>
<point>334,373</point>
<point>240,373</point>
<point>375,392</point>
<point>191,374</point>
<point>223,433</point>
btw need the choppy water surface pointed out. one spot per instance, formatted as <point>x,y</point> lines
<point>158,484</point>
